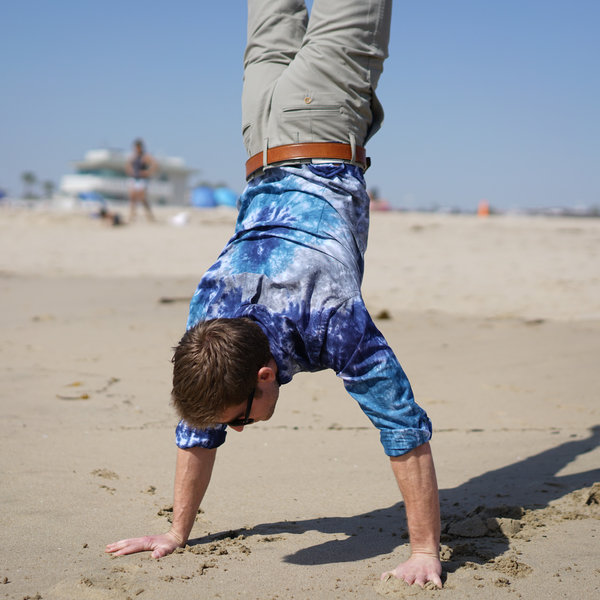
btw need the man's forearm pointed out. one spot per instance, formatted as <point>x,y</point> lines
<point>415,474</point>
<point>192,476</point>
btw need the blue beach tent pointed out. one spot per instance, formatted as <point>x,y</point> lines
<point>91,197</point>
<point>225,197</point>
<point>203,197</point>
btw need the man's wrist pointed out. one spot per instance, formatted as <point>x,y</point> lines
<point>430,552</point>
<point>180,539</point>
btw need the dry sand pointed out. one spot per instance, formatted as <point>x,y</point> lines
<point>496,321</point>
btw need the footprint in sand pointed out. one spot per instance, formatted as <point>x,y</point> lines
<point>105,474</point>
<point>111,583</point>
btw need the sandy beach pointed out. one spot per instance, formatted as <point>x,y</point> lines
<point>496,321</point>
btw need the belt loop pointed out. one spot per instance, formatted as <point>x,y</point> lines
<point>265,152</point>
<point>352,146</point>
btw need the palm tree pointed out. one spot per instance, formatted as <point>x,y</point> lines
<point>29,179</point>
<point>48,188</point>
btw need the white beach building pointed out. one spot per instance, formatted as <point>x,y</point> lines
<point>103,172</point>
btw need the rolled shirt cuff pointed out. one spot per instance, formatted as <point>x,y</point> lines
<point>190,437</point>
<point>397,442</point>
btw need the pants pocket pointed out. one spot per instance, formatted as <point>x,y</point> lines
<point>312,119</point>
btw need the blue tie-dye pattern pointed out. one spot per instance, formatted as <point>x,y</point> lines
<point>295,266</point>
<point>188,437</point>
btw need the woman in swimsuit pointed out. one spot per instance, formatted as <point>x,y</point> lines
<point>140,168</point>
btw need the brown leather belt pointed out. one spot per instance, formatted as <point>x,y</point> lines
<point>322,150</point>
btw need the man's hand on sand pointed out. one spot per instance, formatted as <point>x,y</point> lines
<point>418,569</point>
<point>159,545</point>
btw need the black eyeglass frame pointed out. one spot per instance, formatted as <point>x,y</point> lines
<point>246,420</point>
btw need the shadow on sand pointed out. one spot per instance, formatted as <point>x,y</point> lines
<point>528,484</point>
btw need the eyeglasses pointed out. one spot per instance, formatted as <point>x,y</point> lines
<point>246,420</point>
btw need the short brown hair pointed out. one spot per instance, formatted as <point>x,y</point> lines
<point>215,366</point>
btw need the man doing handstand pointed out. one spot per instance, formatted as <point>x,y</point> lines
<point>284,295</point>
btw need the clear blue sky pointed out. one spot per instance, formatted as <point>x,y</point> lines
<point>495,99</point>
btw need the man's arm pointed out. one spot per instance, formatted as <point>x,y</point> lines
<point>152,166</point>
<point>192,476</point>
<point>129,167</point>
<point>415,474</point>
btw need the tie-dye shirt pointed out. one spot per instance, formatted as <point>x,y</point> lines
<point>294,265</point>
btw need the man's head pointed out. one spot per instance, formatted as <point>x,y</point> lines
<point>139,146</point>
<point>217,366</point>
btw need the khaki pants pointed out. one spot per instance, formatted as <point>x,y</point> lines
<point>313,80</point>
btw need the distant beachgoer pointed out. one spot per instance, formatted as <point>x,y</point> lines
<point>111,218</point>
<point>140,167</point>
<point>377,203</point>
